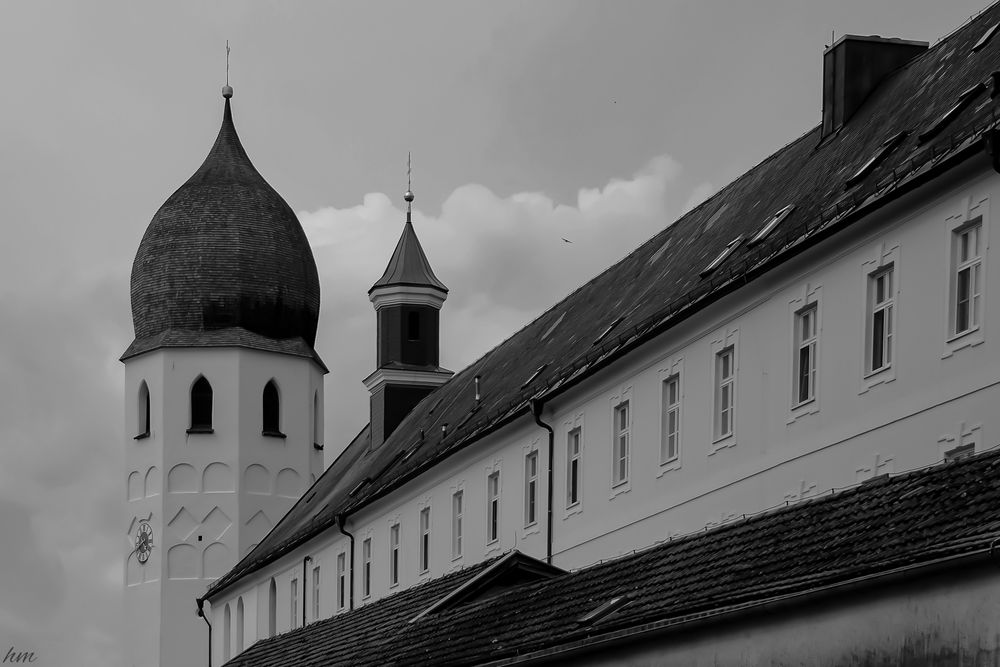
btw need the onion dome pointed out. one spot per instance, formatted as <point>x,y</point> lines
<point>225,262</point>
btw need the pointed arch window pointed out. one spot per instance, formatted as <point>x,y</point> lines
<point>201,406</point>
<point>227,629</point>
<point>272,609</point>
<point>317,417</point>
<point>239,625</point>
<point>272,411</point>
<point>142,412</point>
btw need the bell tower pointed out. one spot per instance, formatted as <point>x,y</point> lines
<point>223,398</point>
<point>407,299</point>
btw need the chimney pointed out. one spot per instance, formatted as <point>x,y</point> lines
<point>853,67</point>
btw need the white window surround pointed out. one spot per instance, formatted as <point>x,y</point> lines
<point>974,211</point>
<point>457,523</point>
<point>494,507</point>
<point>811,296</point>
<point>729,339</point>
<point>532,486</point>
<point>317,582</point>
<point>395,555</point>
<point>574,426</point>
<point>341,582</point>
<point>616,402</point>
<point>293,598</point>
<point>424,546</point>
<point>366,567</point>
<point>880,259</point>
<point>671,369</point>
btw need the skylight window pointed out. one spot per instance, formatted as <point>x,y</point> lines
<point>771,224</point>
<point>963,101</point>
<point>985,39</point>
<point>887,146</point>
<point>606,609</point>
<point>605,333</point>
<point>726,252</point>
<point>534,375</point>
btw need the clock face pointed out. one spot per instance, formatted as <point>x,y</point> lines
<point>143,541</point>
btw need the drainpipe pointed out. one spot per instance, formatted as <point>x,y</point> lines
<point>305,562</point>
<point>201,612</point>
<point>341,519</point>
<point>536,412</point>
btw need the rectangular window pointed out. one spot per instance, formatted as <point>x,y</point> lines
<point>341,580</point>
<point>573,468</point>
<point>294,599</point>
<point>366,567</point>
<point>725,393</point>
<point>806,337</point>
<point>493,507</point>
<point>457,511</point>
<point>621,444</point>
<point>880,319</point>
<point>394,554</point>
<point>315,593</point>
<point>967,279</point>
<point>670,434</point>
<point>425,539</point>
<point>531,489</point>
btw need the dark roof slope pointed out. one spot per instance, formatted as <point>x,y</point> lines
<point>879,526</point>
<point>408,264</point>
<point>659,284</point>
<point>224,253</point>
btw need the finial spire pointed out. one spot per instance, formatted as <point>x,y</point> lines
<point>409,192</point>
<point>227,90</point>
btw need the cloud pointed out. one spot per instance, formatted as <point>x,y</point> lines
<point>505,260</point>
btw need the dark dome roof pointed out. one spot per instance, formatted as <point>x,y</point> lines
<point>224,253</point>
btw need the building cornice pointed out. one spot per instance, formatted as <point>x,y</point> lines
<point>413,378</point>
<point>417,295</point>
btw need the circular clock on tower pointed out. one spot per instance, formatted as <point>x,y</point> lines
<point>143,541</point>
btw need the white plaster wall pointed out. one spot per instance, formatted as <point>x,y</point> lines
<point>854,430</point>
<point>202,515</point>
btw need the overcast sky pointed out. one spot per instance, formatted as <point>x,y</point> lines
<point>529,122</point>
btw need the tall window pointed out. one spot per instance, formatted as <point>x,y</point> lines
<point>621,443</point>
<point>670,434</point>
<point>531,489</point>
<point>493,507</point>
<point>366,567</point>
<point>239,625</point>
<point>425,539</point>
<point>725,399</point>
<point>573,468</point>
<point>394,554</point>
<point>201,405</point>
<point>341,580</point>
<point>315,592</point>
<point>142,412</point>
<point>806,336</point>
<point>227,637</point>
<point>272,609</point>
<point>317,440</point>
<point>967,263</point>
<point>457,512</point>
<point>880,319</point>
<point>294,599</point>
<point>413,325</point>
<point>271,409</point>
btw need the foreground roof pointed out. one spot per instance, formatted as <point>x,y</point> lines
<point>664,281</point>
<point>877,527</point>
<point>224,253</point>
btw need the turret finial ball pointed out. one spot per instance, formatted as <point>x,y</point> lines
<point>227,91</point>
<point>408,196</point>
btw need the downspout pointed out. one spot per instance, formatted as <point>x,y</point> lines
<point>305,587</point>
<point>201,612</point>
<point>340,525</point>
<point>536,412</point>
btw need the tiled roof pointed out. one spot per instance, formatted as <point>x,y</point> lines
<point>225,253</point>
<point>659,284</point>
<point>948,511</point>
<point>408,264</point>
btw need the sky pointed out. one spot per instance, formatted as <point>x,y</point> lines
<point>528,122</point>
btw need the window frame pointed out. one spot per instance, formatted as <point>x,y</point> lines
<point>973,264</point>
<point>670,408</point>
<point>341,581</point>
<point>424,552</point>
<point>887,308</point>
<point>724,404</point>
<point>621,447</point>
<point>315,592</point>
<point>271,410</point>
<point>531,489</point>
<point>493,507</point>
<point>574,468</point>
<point>293,598</point>
<point>394,554</point>
<point>457,518</point>
<point>809,344</point>
<point>366,567</point>
<point>142,412</point>
<point>201,403</point>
